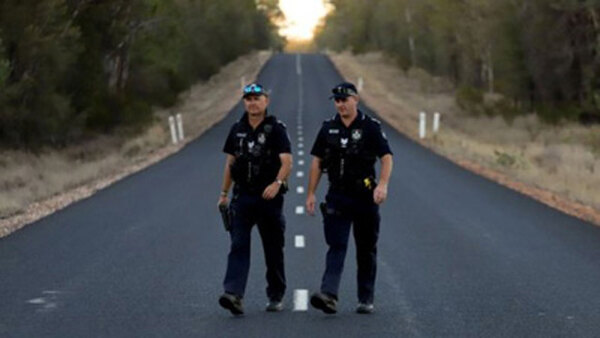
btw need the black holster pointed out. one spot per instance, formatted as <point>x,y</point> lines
<point>226,216</point>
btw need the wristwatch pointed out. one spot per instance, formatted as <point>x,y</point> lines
<point>280,182</point>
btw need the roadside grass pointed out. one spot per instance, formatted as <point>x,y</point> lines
<point>563,158</point>
<point>27,178</point>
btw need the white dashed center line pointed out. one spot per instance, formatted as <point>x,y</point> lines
<point>300,190</point>
<point>300,300</point>
<point>299,241</point>
<point>300,174</point>
<point>299,210</point>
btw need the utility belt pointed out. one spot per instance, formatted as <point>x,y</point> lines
<point>354,187</point>
<point>256,189</point>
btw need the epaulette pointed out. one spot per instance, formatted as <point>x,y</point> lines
<point>374,120</point>
<point>329,120</point>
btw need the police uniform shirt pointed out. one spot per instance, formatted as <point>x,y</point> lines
<point>364,134</point>
<point>261,147</point>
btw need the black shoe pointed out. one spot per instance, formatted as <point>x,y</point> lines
<point>365,308</point>
<point>232,303</point>
<point>274,306</point>
<point>323,302</point>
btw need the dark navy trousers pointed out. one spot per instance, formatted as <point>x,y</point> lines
<point>248,210</point>
<point>362,215</point>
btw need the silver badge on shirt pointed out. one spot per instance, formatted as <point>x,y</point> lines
<point>344,142</point>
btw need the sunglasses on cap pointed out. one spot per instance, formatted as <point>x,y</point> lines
<point>254,89</point>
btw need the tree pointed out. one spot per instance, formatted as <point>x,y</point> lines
<point>73,68</point>
<point>544,53</point>
<point>39,48</point>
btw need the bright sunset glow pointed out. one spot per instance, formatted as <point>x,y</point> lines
<point>302,16</point>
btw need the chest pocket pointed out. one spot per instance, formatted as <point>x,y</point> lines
<point>340,145</point>
<point>252,147</point>
<point>333,142</point>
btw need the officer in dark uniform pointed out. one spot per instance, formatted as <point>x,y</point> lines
<point>347,148</point>
<point>258,163</point>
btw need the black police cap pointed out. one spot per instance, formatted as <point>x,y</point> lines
<point>343,90</point>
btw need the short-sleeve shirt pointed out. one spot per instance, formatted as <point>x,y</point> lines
<point>350,152</point>
<point>257,149</point>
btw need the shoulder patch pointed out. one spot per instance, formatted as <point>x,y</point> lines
<point>374,120</point>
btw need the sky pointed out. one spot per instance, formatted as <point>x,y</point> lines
<point>302,16</point>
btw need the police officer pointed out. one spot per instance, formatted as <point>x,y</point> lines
<point>258,162</point>
<point>346,148</point>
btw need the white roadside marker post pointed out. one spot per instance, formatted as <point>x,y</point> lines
<point>360,84</point>
<point>436,122</point>
<point>173,131</point>
<point>422,125</point>
<point>180,127</point>
<point>243,83</point>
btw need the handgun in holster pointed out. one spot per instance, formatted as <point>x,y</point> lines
<point>226,216</point>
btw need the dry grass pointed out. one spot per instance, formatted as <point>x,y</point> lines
<point>31,177</point>
<point>34,185</point>
<point>563,159</point>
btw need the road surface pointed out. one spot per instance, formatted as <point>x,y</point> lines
<point>458,255</point>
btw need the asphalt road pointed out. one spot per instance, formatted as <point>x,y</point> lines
<point>458,255</point>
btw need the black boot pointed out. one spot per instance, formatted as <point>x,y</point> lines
<point>232,303</point>
<point>324,302</point>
